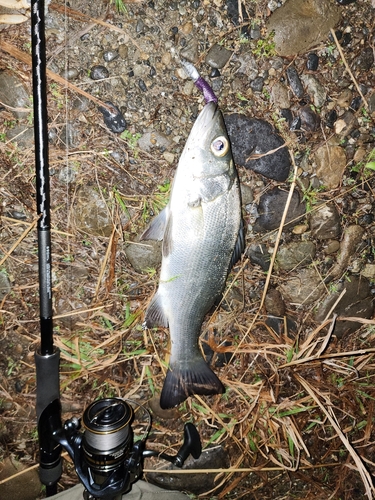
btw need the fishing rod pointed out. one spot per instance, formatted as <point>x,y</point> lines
<point>47,357</point>
<point>105,456</point>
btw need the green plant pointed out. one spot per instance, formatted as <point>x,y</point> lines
<point>265,47</point>
<point>120,6</point>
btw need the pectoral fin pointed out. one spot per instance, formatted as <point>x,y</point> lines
<point>156,229</point>
<point>239,246</point>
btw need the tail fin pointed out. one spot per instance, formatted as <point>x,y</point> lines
<point>180,383</point>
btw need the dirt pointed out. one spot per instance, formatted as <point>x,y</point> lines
<point>294,394</point>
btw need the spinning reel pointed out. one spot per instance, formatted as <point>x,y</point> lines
<point>102,447</point>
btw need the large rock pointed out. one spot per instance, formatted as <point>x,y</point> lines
<point>257,146</point>
<point>356,302</point>
<point>301,24</point>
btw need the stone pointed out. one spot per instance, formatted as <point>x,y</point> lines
<point>325,222</point>
<point>258,254</point>
<point>211,458</point>
<point>280,96</point>
<point>144,255</point>
<point>218,56</point>
<point>271,209</point>
<point>315,89</point>
<point>295,254</point>
<point>356,302</point>
<point>23,136</point>
<point>330,162</point>
<point>246,64</point>
<point>301,24</point>
<point>250,137</point>
<point>5,286</point>
<point>274,303</point>
<point>345,124</point>
<point>303,288</point>
<point>13,93</point>
<point>352,236</point>
<point>295,82</point>
<point>365,60</point>
<point>91,213</point>
<point>25,487</point>
<point>310,121</point>
<point>190,52</point>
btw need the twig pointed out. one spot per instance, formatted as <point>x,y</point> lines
<point>348,69</point>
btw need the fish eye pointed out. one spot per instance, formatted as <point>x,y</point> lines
<point>220,146</point>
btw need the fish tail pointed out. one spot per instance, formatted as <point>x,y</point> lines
<point>181,383</point>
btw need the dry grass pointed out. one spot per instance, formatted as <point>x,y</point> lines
<point>298,412</point>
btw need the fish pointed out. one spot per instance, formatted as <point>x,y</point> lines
<point>202,232</point>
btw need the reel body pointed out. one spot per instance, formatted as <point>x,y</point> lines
<point>106,459</point>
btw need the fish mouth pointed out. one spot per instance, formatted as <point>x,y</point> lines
<point>206,120</point>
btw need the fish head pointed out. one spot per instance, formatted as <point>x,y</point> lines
<point>208,151</point>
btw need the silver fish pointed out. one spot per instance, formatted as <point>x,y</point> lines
<point>202,233</point>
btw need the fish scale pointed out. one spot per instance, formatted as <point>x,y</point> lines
<point>201,232</point>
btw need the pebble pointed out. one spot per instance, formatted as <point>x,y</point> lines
<point>310,121</point>
<point>315,89</point>
<point>356,103</point>
<point>123,51</point>
<point>113,118</point>
<point>345,124</point>
<point>345,2</point>
<point>169,157</point>
<point>271,209</point>
<point>344,98</point>
<point>325,222</point>
<point>110,55</point>
<point>288,116</point>
<point>301,24</point>
<point>257,84</point>
<point>312,62</point>
<point>153,138</point>
<point>330,159</point>
<point>67,174</point>
<point>332,247</point>
<point>218,56</point>
<point>247,195</point>
<point>295,82</point>
<point>303,289</point>
<point>99,72</point>
<point>252,136</point>
<point>295,254</point>
<point>142,85</point>
<point>166,58</point>
<point>258,255</point>
<point>191,51</point>
<point>69,74</point>
<point>356,302</point>
<point>331,118</point>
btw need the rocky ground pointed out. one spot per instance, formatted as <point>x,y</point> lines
<point>293,339</point>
